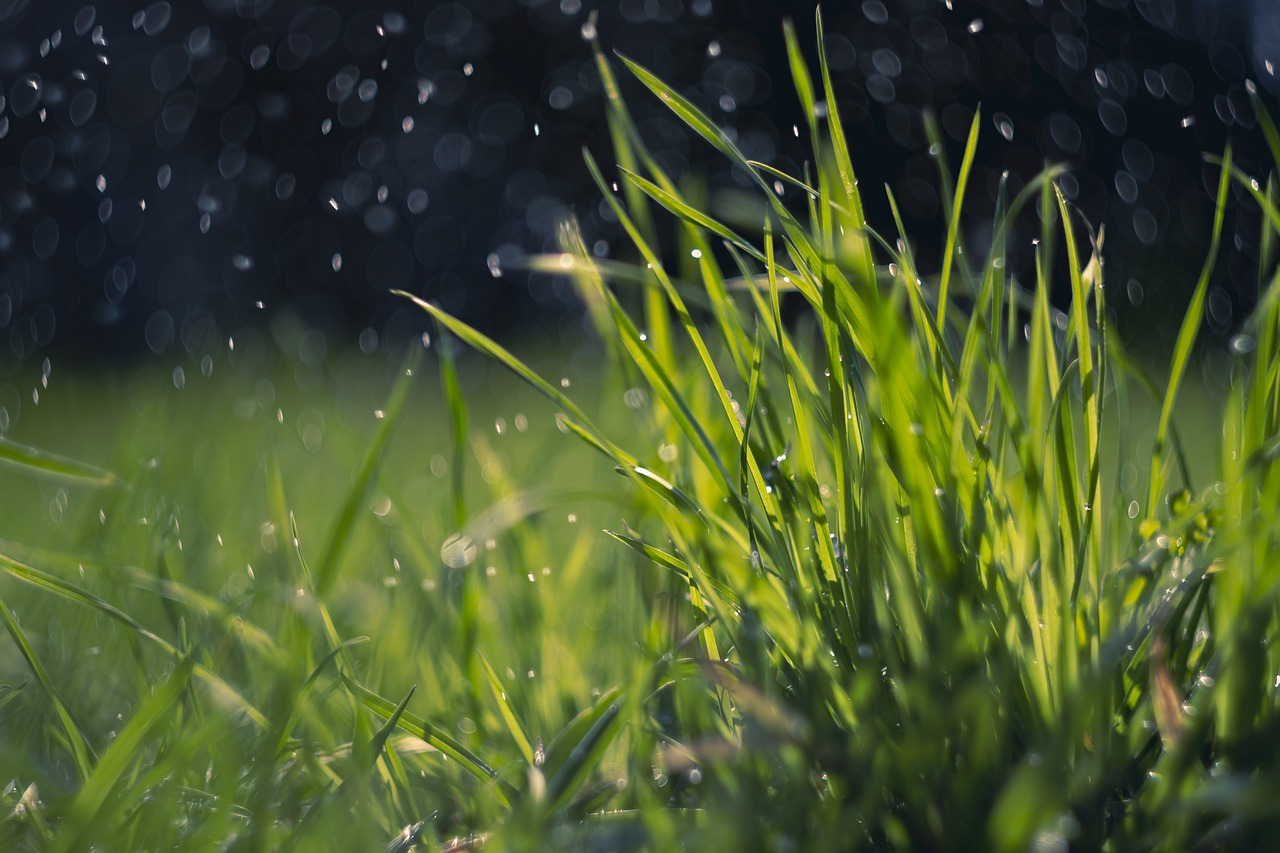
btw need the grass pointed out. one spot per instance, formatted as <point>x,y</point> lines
<point>906,573</point>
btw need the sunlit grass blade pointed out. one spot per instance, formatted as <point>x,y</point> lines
<point>420,728</point>
<point>509,717</point>
<point>1186,339</point>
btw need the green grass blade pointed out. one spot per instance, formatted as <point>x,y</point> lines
<point>81,752</point>
<point>331,558</point>
<point>1187,338</point>
<point>53,467</point>
<point>508,713</point>
<point>420,728</point>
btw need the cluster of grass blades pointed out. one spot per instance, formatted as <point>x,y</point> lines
<point>899,591</point>
<point>928,610</point>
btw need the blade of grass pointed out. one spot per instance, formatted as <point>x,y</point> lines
<point>340,534</point>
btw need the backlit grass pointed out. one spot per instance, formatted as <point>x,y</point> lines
<point>925,569</point>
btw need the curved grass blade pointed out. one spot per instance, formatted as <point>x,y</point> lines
<point>579,745</point>
<point>50,466</point>
<point>69,591</point>
<point>420,728</point>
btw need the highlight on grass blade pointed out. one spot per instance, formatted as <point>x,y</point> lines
<point>50,466</point>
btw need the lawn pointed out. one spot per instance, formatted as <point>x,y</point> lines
<point>926,565</point>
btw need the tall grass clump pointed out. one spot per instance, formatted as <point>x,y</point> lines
<point>919,605</point>
<point>896,559</point>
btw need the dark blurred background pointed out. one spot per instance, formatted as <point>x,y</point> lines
<point>173,172</point>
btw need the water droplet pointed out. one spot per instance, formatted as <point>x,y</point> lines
<point>368,90</point>
<point>244,263</point>
<point>416,201</point>
<point>459,551</point>
<point>81,107</point>
<point>336,260</point>
<point>976,25</point>
<point>156,18</point>
<point>407,124</point>
<point>179,378</point>
<point>1004,124</point>
<point>259,57</point>
<point>588,29</point>
<point>1187,121</point>
<point>206,222</point>
<point>468,70</point>
<point>1241,344</point>
<point>713,48</point>
<point>326,126</point>
<point>163,176</point>
<point>495,265</point>
<point>84,19</point>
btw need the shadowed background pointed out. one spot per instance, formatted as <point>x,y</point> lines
<point>172,173</point>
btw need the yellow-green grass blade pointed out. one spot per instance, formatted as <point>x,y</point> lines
<point>953,227</point>
<point>1186,339</point>
<point>436,737</point>
<point>509,718</point>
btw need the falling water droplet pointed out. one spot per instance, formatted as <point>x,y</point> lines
<point>336,261</point>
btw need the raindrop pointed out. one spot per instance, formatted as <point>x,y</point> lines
<point>4,126</point>
<point>1113,117</point>
<point>285,185</point>
<point>368,90</point>
<point>44,239</point>
<point>886,62</point>
<point>1187,121</point>
<point>495,265</point>
<point>976,25</point>
<point>468,70</point>
<point>1144,225</point>
<point>1004,124</point>
<point>336,261</point>
<point>25,94</point>
<point>1241,344</point>
<point>259,57</point>
<point>163,176</point>
<point>326,126</point>
<point>84,19</point>
<point>416,201</point>
<point>104,211</point>
<point>156,18</point>
<point>588,29</point>
<point>458,551</point>
<point>713,48</point>
<point>875,11</point>
<point>1126,187</point>
<point>179,378</point>
<point>82,106</point>
<point>242,262</point>
<point>159,331</point>
<point>407,124</point>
